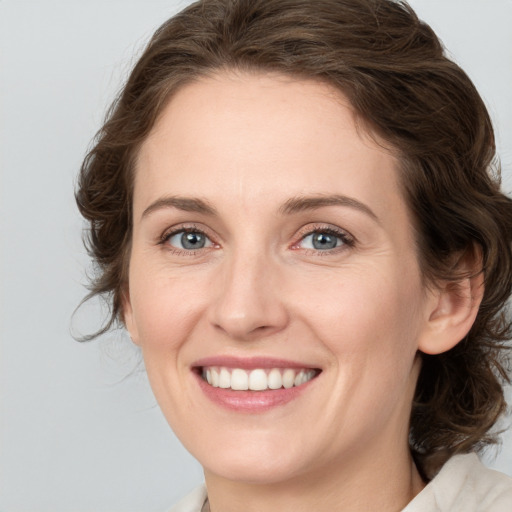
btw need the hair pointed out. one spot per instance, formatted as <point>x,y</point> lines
<point>393,69</point>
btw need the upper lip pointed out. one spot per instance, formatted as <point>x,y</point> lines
<point>250,363</point>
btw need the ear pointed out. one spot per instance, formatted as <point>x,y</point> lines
<point>128,317</point>
<point>453,306</point>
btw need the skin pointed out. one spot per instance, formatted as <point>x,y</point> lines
<point>245,145</point>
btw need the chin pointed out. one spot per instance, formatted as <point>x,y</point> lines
<point>256,462</point>
<point>257,471</point>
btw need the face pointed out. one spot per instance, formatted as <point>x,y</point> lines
<point>274,286</point>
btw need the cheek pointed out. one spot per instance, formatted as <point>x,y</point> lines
<point>370,322</point>
<point>167,311</point>
<point>368,302</point>
<point>165,308</point>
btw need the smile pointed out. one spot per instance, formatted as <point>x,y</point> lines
<point>258,379</point>
<point>253,385</point>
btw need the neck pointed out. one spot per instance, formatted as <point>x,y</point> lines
<point>384,484</point>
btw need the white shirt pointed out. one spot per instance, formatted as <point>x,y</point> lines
<point>463,484</point>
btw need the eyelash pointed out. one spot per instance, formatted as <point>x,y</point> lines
<point>347,240</point>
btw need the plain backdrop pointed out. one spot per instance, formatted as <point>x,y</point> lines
<point>79,428</point>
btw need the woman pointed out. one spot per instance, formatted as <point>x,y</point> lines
<point>296,216</point>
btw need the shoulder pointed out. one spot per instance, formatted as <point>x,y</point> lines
<point>192,502</point>
<point>464,484</point>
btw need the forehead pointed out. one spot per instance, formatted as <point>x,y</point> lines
<point>252,137</point>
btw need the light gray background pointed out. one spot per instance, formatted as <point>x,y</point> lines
<point>79,428</point>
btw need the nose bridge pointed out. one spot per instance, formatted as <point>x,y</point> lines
<point>248,302</point>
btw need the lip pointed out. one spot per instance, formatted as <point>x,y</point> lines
<point>250,401</point>
<point>250,363</point>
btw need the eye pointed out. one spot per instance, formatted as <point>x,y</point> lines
<point>324,240</point>
<point>188,240</point>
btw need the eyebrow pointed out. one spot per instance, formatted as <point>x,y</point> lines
<point>291,206</point>
<point>300,204</point>
<point>187,204</point>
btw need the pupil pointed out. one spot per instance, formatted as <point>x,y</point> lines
<point>324,241</point>
<point>192,240</point>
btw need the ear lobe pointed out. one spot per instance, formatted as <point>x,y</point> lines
<point>454,307</point>
<point>128,317</point>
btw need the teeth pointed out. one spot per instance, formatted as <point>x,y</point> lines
<point>215,378</point>
<point>224,379</point>
<point>256,380</point>
<point>274,379</point>
<point>288,378</point>
<point>239,380</point>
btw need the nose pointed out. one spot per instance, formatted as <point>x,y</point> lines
<point>249,305</point>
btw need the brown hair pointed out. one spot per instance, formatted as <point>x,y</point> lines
<point>392,68</point>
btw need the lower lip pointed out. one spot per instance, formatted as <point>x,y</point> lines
<point>251,401</point>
